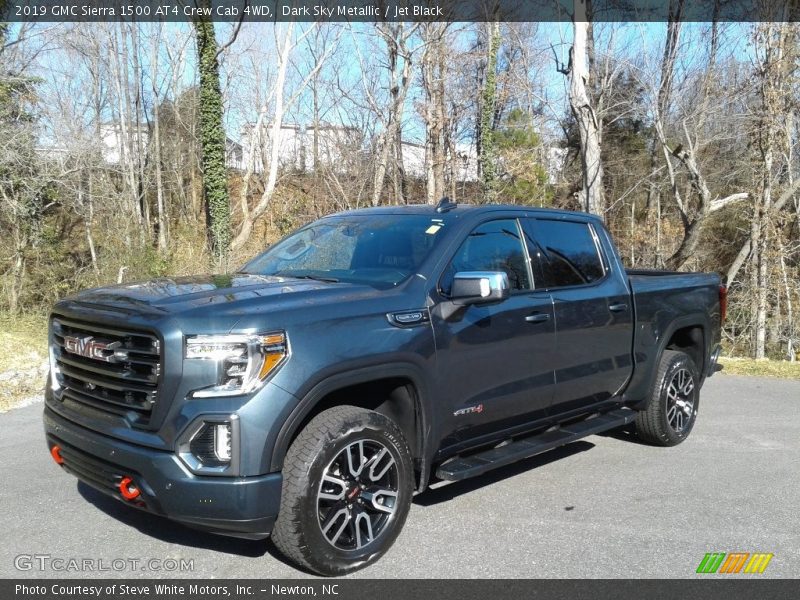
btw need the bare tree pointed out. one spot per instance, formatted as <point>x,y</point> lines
<point>487,156</point>
<point>281,103</point>
<point>591,194</point>
<point>396,36</point>
<point>698,202</point>
<point>161,209</point>
<point>773,72</point>
<point>662,103</point>
<point>434,73</point>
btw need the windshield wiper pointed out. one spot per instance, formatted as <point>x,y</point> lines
<point>306,276</point>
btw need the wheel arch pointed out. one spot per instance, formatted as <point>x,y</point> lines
<point>397,391</point>
<point>691,340</point>
<point>686,332</point>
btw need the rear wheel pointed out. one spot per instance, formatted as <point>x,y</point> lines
<point>672,410</point>
<point>347,487</point>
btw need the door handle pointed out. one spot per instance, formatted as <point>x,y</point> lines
<point>538,318</point>
<point>620,307</point>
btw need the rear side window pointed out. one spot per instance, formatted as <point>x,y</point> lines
<point>566,252</point>
<point>492,246</point>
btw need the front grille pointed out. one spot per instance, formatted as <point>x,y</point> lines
<point>109,369</point>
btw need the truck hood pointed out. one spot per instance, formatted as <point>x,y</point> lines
<point>182,294</point>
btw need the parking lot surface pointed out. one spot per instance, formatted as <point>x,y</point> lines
<point>606,506</point>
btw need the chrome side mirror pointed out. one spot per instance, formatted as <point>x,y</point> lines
<point>479,287</point>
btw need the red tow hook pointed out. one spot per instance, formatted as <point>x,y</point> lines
<point>128,489</point>
<point>55,452</point>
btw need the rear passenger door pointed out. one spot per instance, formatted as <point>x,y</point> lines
<point>594,319</point>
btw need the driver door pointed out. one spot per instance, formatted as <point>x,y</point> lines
<point>494,360</point>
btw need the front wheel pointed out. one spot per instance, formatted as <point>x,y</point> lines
<point>347,487</point>
<point>671,413</point>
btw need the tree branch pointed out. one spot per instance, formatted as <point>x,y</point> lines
<point>234,35</point>
<point>723,202</point>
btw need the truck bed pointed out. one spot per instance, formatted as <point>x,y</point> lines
<point>663,301</point>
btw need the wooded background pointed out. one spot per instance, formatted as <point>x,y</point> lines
<point>135,150</point>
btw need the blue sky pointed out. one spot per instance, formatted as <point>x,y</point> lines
<point>639,44</point>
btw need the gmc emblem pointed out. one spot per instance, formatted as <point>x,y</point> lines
<point>90,348</point>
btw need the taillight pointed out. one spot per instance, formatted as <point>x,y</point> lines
<point>723,302</point>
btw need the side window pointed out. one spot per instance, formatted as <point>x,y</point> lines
<point>566,252</point>
<point>492,246</point>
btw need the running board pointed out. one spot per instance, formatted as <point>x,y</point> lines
<point>462,467</point>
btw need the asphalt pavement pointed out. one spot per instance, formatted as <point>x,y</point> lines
<point>604,507</point>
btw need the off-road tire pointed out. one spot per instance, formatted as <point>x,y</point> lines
<point>653,424</point>
<point>298,530</point>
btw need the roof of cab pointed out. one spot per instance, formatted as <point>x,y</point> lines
<point>460,209</point>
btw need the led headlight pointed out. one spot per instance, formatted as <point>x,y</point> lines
<point>243,361</point>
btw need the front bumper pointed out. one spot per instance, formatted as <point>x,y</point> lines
<point>238,506</point>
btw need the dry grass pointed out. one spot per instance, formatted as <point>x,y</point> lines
<point>760,368</point>
<point>24,343</point>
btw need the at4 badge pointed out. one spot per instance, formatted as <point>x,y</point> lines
<point>469,410</point>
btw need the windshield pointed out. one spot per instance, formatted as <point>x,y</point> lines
<point>380,250</point>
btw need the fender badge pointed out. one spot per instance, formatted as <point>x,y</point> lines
<point>469,410</point>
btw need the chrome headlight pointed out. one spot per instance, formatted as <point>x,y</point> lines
<point>243,361</point>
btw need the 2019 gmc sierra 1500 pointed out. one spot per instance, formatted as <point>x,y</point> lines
<point>311,394</point>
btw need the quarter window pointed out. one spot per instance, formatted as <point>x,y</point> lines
<point>492,246</point>
<point>566,252</point>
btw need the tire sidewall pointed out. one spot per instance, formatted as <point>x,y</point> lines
<point>677,362</point>
<point>322,555</point>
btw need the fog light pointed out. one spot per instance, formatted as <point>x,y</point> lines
<point>212,444</point>
<point>222,441</point>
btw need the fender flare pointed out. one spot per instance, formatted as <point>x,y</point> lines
<point>357,376</point>
<point>691,320</point>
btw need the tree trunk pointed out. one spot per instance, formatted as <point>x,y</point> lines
<point>771,92</point>
<point>664,92</point>
<point>396,37</point>
<point>122,130</point>
<point>402,178</point>
<point>591,194</point>
<point>315,124</point>
<point>274,139</point>
<point>439,156</point>
<point>212,142</point>
<point>88,219</point>
<point>433,75</point>
<point>137,142</point>
<point>487,155</point>
<point>162,218</point>
<point>744,251</point>
<point>791,355</point>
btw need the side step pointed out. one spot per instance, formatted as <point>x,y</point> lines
<point>462,467</point>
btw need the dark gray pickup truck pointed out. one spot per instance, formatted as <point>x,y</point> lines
<point>310,395</point>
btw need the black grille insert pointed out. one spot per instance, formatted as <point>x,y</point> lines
<point>110,369</point>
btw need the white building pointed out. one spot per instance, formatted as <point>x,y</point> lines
<point>338,147</point>
<point>466,161</point>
